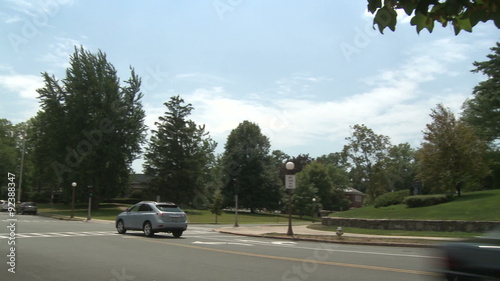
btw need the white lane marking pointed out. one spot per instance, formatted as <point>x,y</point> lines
<point>220,243</point>
<point>59,234</point>
<point>267,242</point>
<point>321,247</point>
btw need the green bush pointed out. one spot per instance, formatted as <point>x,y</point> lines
<point>425,200</point>
<point>391,198</point>
<point>124,200</point>
<point>136,194</point>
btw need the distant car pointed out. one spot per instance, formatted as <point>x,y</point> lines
<point>4,206</point>
<point>152,217</point>
<point>27,207</point>
<point>474,259</point>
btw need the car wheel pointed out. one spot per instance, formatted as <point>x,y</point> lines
<point>148,229</point>
<point>177,233</point>
<point>120,227</point>
<point>22,212</point>
<point>35,213</point>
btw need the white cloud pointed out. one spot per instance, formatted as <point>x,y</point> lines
<point>395,106</point>
<point>60,51</point>
<point>38,7</point>
<point>23,85</point>
<point>201,78</point>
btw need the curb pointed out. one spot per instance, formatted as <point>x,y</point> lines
<point>61,217</point>
<point>298,238</point>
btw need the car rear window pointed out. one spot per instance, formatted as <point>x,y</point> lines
<point>168,208</point>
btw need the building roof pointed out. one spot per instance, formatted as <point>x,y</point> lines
<point>350,190</point>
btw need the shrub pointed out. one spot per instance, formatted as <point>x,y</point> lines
<point>425,200</point>
<point>124,200</point>
<point>136,194</point>
<point>391,198</point>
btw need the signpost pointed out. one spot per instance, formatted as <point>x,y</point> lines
<point>290,182</point>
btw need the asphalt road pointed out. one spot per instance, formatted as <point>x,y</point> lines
<point>49,249</point>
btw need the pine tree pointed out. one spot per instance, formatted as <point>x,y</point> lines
<point>179,154</point>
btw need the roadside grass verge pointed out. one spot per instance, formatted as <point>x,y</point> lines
<point>333,229</point>
<point>206,217</point>
<point>109,211</point>
<point>471,206</point>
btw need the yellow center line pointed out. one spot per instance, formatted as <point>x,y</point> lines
<point>350,265</point>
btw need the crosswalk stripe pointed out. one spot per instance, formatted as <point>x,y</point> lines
<point>60,234</point>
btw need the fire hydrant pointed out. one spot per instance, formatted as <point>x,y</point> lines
<point>340,231</point>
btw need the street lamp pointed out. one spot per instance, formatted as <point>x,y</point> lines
<point>73,200</point>
<point>23,135</point>
<point>234,182</point>
<point>314,208</point>
<point>90,202</point>
<point>290,185</point>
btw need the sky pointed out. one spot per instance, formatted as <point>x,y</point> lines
<point>304,71</point>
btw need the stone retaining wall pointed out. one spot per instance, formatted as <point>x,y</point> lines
<point>413,225</point>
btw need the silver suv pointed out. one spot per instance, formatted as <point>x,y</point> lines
<point>151,217</point>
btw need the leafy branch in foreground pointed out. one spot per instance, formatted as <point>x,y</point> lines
<point>461,14</point>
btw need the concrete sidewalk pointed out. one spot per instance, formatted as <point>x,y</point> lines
<point>302,232</point>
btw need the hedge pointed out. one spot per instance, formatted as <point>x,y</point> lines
<point>124,200</point>
<point>391,198</point>
<point>425,200</point>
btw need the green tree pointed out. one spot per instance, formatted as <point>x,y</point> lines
<point>8,153</point>
<point>317,180</point>
<point>365,152</point>
<point>302,197</point>
<point>337,169</point>
<point>451,156</point>
<point>400,167</point>
<point>217,204</point>
<point>482,111</point>
<point>247,159</point>
<point>179,154</point>
<point>461,14</point>
<point>90,128</point>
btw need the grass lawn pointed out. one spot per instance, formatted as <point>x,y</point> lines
<point>473,206</point>
<point>109,211</point>
<point>106,211</point>
<point>204,216</point>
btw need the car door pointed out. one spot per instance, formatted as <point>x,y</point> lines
<point>130,217</point>
<point>144,213</point>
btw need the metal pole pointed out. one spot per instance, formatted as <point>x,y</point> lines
<point>90,204</point>
<point>21,173</point>
<point>236,210</point>
<point>73,203</point>
<point>290,231</point>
